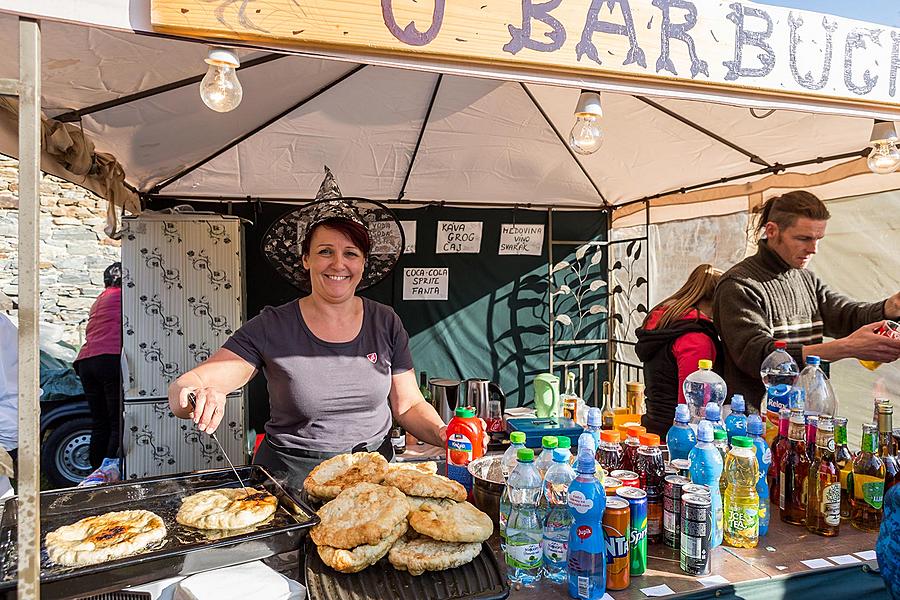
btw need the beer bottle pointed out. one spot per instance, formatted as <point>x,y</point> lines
<point>780,446</point>
<point>844,460</point>
<point>608,417</point>
<point>398,437</point>
<point>823,508</point>
<point>867,484</point>
<point>423,386</point>
<point>886,449</point>
<point>793,473</point>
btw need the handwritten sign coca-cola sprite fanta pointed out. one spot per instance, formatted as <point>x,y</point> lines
<point>465,443</point>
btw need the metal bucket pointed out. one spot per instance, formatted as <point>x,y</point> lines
<point>488,484</point>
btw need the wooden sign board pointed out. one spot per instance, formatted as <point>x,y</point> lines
<point>728,45</point>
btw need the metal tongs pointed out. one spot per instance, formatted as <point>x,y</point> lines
<point>193,400</point>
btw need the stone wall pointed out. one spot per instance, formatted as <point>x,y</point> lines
<point>74,250</point>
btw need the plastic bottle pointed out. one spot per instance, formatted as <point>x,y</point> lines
<point>545,459</point>
<point>524,529</point>
<point>720,441</point>
<point>631,445</point>
<point>779,367</point>
<point>564,442</point>
<point>587,546</point>
<point>558,520</point>
<point>819,396</point>
<point>609,452</point>
<point>681,438</point>
<point>706,469</point>
<point>736,422</point>
<point>713,414</point>
<point>776,399</point>
<point>780,447</point>
<point>594,424</point>
<point>702,387</point>
<point>465,443</point>
<point>510,460</point>
<point>741,500</point>
<point>652,471</point>
<point>755,430</point>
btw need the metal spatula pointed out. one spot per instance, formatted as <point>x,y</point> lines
<point>193,400</point>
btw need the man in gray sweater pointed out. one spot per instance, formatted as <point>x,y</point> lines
<point>773,296</point>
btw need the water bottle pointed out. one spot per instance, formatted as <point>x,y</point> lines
<point>706,469</point>
<point>779,367</point>
<point>819,398</point>
<point>510,458</point>
<point>587,546</point>
<point>702,387</point>
<point>558,520</point>
<point>755,429</point>
<point>741,500</point>
<point>545,459</point>
<point>681,437</point>
<point>713,414</point>
<point>564,442</point>
<point>594,424</point>
<point>736,422</point>
<point>524,529</point>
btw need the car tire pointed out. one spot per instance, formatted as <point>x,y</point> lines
<point>65,456</point>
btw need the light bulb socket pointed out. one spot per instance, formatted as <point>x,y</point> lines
<point>222,57</point>
<point>588,104</point>
<point>883,131</point>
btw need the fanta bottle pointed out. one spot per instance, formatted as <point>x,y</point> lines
<point>465,443</point>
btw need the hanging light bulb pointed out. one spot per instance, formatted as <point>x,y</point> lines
<point>885,156</point>
<point>220,89</point>
<point>586,136</point>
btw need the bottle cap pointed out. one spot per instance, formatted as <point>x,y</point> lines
<point>649,439</point>
<point>563,441</point>
<point>586,441</point>
<point>549,441</point>
<point>594,418</point>
<point>704,363</point>
<point>586,462</point>
<point>517,437</point>
<point>720,434</point>
<point>738,404</point>
<point>712,412</point>
<point>741,441</point>
<point>683,413</point>
<point>780,345</point>
<point>812,359</point>
<point>635,430</point>
<point>705,432</point>
<point>465,412</point>
<point>560,455</point>
<point>755,425</point>
<point>610,436</point>
<point>525,455</point>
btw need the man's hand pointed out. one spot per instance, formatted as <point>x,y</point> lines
<point>865,344</point>
<point>892,307</point>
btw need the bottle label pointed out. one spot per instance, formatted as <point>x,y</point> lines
<point>584,586</point>
<point>869,488</point>
<point>766,460</point>
<point>523,556</point>
<point>555,551</point>
<point>831,504</point>
<point>831,445</point>
<point>782,487</point>
<point>743,521</point>
<point>579,502</point>
<point>459,449</point>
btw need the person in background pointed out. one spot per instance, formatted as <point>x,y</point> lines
<point>676,334</point>
<point>99,367</point>
<point>9,394</point>
<point>773,296</point>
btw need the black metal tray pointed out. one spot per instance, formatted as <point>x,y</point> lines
<point>183,552</point>
<point>480,579</point>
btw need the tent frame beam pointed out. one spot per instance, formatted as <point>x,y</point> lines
<point>296,106</point>
<point>755,159</point>
<point>76,115</point>
<point>415,153</point>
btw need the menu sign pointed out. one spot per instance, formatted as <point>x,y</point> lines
<point>425,283</point>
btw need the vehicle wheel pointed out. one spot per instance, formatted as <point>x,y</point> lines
<point>65,456</point>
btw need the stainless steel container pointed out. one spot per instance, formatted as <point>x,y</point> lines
<point>478,394</point>
<point>444,396</point>
<point>488,485</point>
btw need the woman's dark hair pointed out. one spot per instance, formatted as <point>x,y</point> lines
<point>784,210</point>
<point>357,234</point>
<point>112,276</point>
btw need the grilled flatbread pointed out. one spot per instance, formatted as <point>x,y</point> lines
<point>336,474</point>
<point>363,514</point>
<point>428,466</point>
<point>104,537</point>
<point>425,554</point>
<point>357,559</point>
<point>416,483</point>
<point>416,502</point>
<point>226,508</point>
<point>460,522</point>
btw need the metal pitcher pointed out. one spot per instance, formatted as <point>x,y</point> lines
<point>444,396</point>
<point>478,394</point>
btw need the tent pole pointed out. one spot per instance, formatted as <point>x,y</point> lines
<point>29,528</point>
<point>415,153</point>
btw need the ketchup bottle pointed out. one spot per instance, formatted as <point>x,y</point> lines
<point>465,443</point>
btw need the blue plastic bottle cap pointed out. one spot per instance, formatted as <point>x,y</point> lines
<point>705,432</point>
<point>561,455</point>
<point>594,418</point>
<point>812,359</point>
<point>682,413</point>
<point>755,425</point>
<point>737,403</point>
<point>712,412</point>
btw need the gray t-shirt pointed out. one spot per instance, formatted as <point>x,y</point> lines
<point>325,396</point>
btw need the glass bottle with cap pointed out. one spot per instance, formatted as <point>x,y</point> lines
<point>823,506</point>
<point>793,473</point>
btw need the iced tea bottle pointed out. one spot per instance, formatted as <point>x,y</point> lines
<point>867,483</point>
<point>631,445</point>
<point>793,473</point>
<point>823,508</point>
<point>780,446</point>
<point>843,458</point>
<point>886,449</point>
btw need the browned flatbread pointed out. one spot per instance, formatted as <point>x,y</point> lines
<point>357,559</point>
<point>460,522</point>
<point>226,508</point>
<point>425,554</point>
<point>416,483</point>
<point>365,513</point>
<point>424,467</point>
<point>336,474</point>
<point>104,537</point>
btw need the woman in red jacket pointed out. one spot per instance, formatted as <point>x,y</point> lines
<point>676,334</point>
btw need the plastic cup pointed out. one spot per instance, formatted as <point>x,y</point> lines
<point>890,329</point>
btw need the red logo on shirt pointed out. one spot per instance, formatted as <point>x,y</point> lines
<point>373,358</point>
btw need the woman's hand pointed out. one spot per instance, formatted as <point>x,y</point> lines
<point>442,432</point>
<point>208,408</point>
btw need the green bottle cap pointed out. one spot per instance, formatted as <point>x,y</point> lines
<point>465,412</point>
<point>517,437</point>
<point>563,442</point>
<point>525,455</point>
<point>720,434</point>
<point>549,441</point>
<point>742,441</point>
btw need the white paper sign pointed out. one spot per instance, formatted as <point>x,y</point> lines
<point>425,283</point>
<point>409,236</point>
<point>458,237</point>
<point>521,239</point>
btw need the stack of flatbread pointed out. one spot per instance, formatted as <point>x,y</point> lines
<point>418,518</point>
